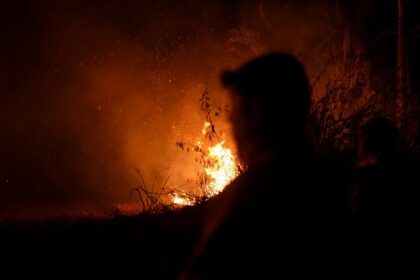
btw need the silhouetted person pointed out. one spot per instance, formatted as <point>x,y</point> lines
<point>385,199</point>
<point>287,213</point>
<point>385,181</point>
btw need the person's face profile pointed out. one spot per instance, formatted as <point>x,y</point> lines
<point>236,104</point>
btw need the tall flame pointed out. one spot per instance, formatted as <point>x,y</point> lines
<point>222,169</point>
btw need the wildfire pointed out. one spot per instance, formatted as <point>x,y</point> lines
<point>221,170</point>
<point>181,200</point>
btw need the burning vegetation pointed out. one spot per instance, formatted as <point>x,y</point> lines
<point>217,167</point>
<point>220,168</point>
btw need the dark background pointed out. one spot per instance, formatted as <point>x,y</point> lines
<point>91,89</point>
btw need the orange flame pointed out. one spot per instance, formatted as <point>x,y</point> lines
<point>181,200</point>
<point>222,170</point>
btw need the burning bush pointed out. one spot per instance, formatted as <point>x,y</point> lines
<point>218,166</point>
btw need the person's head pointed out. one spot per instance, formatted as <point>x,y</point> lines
<point>271,99</point>
<point>378,140</point>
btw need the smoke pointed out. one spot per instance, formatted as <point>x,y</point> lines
<point>91,90</point>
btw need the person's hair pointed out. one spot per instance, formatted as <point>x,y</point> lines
<point>278,83</point>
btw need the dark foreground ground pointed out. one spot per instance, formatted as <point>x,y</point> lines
<point>151,247</point>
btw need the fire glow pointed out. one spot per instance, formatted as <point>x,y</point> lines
<point>177,199</point>
<point>222,169</point>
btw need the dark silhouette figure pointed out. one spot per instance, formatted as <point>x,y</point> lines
<point>286,213</point>
<point>385,177</point>
<point>384,200</point>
